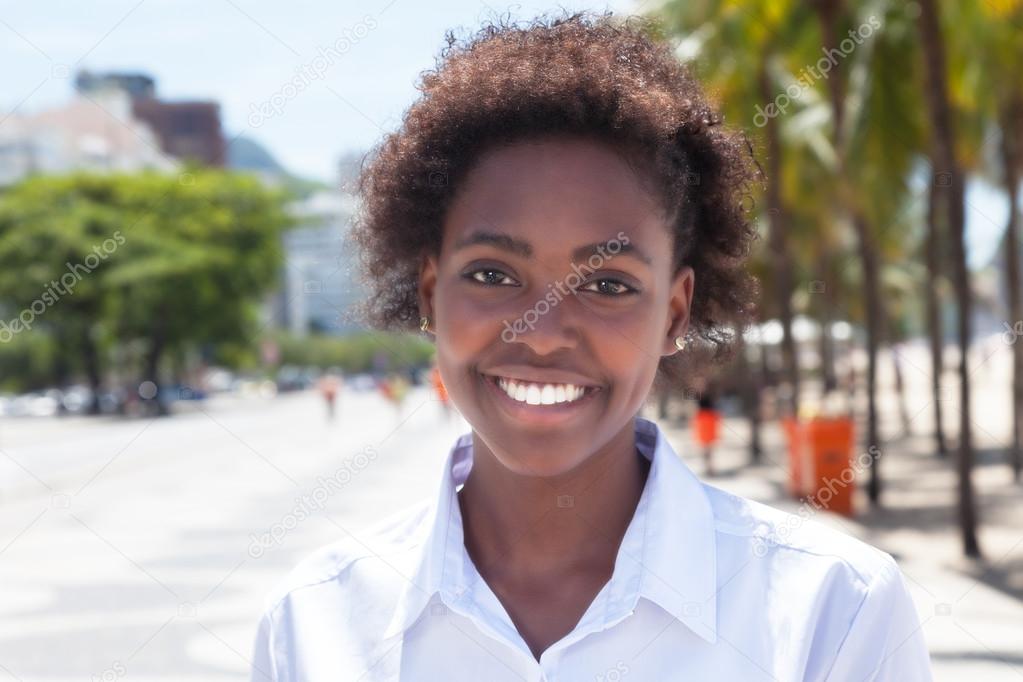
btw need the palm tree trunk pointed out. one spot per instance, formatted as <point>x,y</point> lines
<point>826,347</point>
<point>935,328</point>
<point>872,291</point>
<point>778,243</point>
<point>1012,119</point>
<point>751,384</point>
<point>900,390</point>
<point>952,190</point>
<point>828,12</point>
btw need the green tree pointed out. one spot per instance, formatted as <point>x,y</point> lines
<point>174,261</point>
<point>57,238</point>
<point>201,251</point>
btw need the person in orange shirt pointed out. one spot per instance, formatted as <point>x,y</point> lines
<point>706,429</point>
<point>394,387</point>
<point>329,386</point>
<point>441,390</point>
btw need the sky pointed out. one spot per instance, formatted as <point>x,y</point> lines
<point>359,61</point>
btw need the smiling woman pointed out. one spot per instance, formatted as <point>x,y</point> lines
<point>561,210</point>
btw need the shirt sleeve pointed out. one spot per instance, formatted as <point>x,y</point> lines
<point>885,641</point>
<point>263,668</point>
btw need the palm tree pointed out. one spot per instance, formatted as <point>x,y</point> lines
<point>741,78</point>
<point>829,15</point>
<point>949,190</point>
<point>1012,160</point>
<point>866,102</point>
<point>935,328</point>
<point>996,60</point>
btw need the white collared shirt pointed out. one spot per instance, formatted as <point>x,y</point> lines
<point>706,586</point>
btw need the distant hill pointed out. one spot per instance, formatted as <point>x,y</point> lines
<point>245,154</point>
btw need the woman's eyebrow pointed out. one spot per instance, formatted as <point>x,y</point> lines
<point>500,240</point>
<point>519,247</point>
<point>624,249</point>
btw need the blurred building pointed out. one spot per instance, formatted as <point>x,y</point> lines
<point>186,129</point>
<point>88,133</point>
<point>113,122</point>
<point>318,288</point>
<point>136,85</point>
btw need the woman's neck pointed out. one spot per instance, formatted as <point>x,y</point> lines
<point>523,527</point>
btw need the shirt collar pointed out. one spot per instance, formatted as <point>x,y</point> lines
<point>668,554</point>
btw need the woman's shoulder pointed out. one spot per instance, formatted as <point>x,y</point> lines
<point>326,619</point>
<point>353,563</point>
<point>797,537</point>
<point>846,600</point>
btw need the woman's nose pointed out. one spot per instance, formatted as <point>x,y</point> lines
<point>551,324</point>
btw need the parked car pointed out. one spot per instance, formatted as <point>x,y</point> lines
<point>35,404</point>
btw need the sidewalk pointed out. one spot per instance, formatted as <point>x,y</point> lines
<point>972,615</point>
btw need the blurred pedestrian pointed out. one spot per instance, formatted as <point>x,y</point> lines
<point>706,429</point>
<point>329,386</point>
<point>394,388</point>
<point>441,391</point>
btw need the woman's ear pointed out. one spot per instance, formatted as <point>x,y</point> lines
<point>680,302</point>
<point>427,285</point>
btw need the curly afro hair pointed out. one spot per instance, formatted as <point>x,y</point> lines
<point>578,74</point>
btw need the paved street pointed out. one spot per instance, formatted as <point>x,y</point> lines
<point>127,547</point>
<point>972,616</point>
<point>143,549</point>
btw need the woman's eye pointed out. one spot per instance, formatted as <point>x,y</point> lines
<point>488,276</point>
<point>612,287</point>
<point>493,276</point>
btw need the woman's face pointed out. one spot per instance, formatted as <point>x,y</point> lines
<point>552,300</point>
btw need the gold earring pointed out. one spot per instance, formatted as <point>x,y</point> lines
<point>680,343</point>
<point>424,323</point>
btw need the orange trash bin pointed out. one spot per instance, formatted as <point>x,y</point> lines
<point>820,461</point>
<point>831,443</point>
<point>794,437</point>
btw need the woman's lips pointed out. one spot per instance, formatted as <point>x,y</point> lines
<point>540,415</point>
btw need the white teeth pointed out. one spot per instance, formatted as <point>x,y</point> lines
<point>540,394</point>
